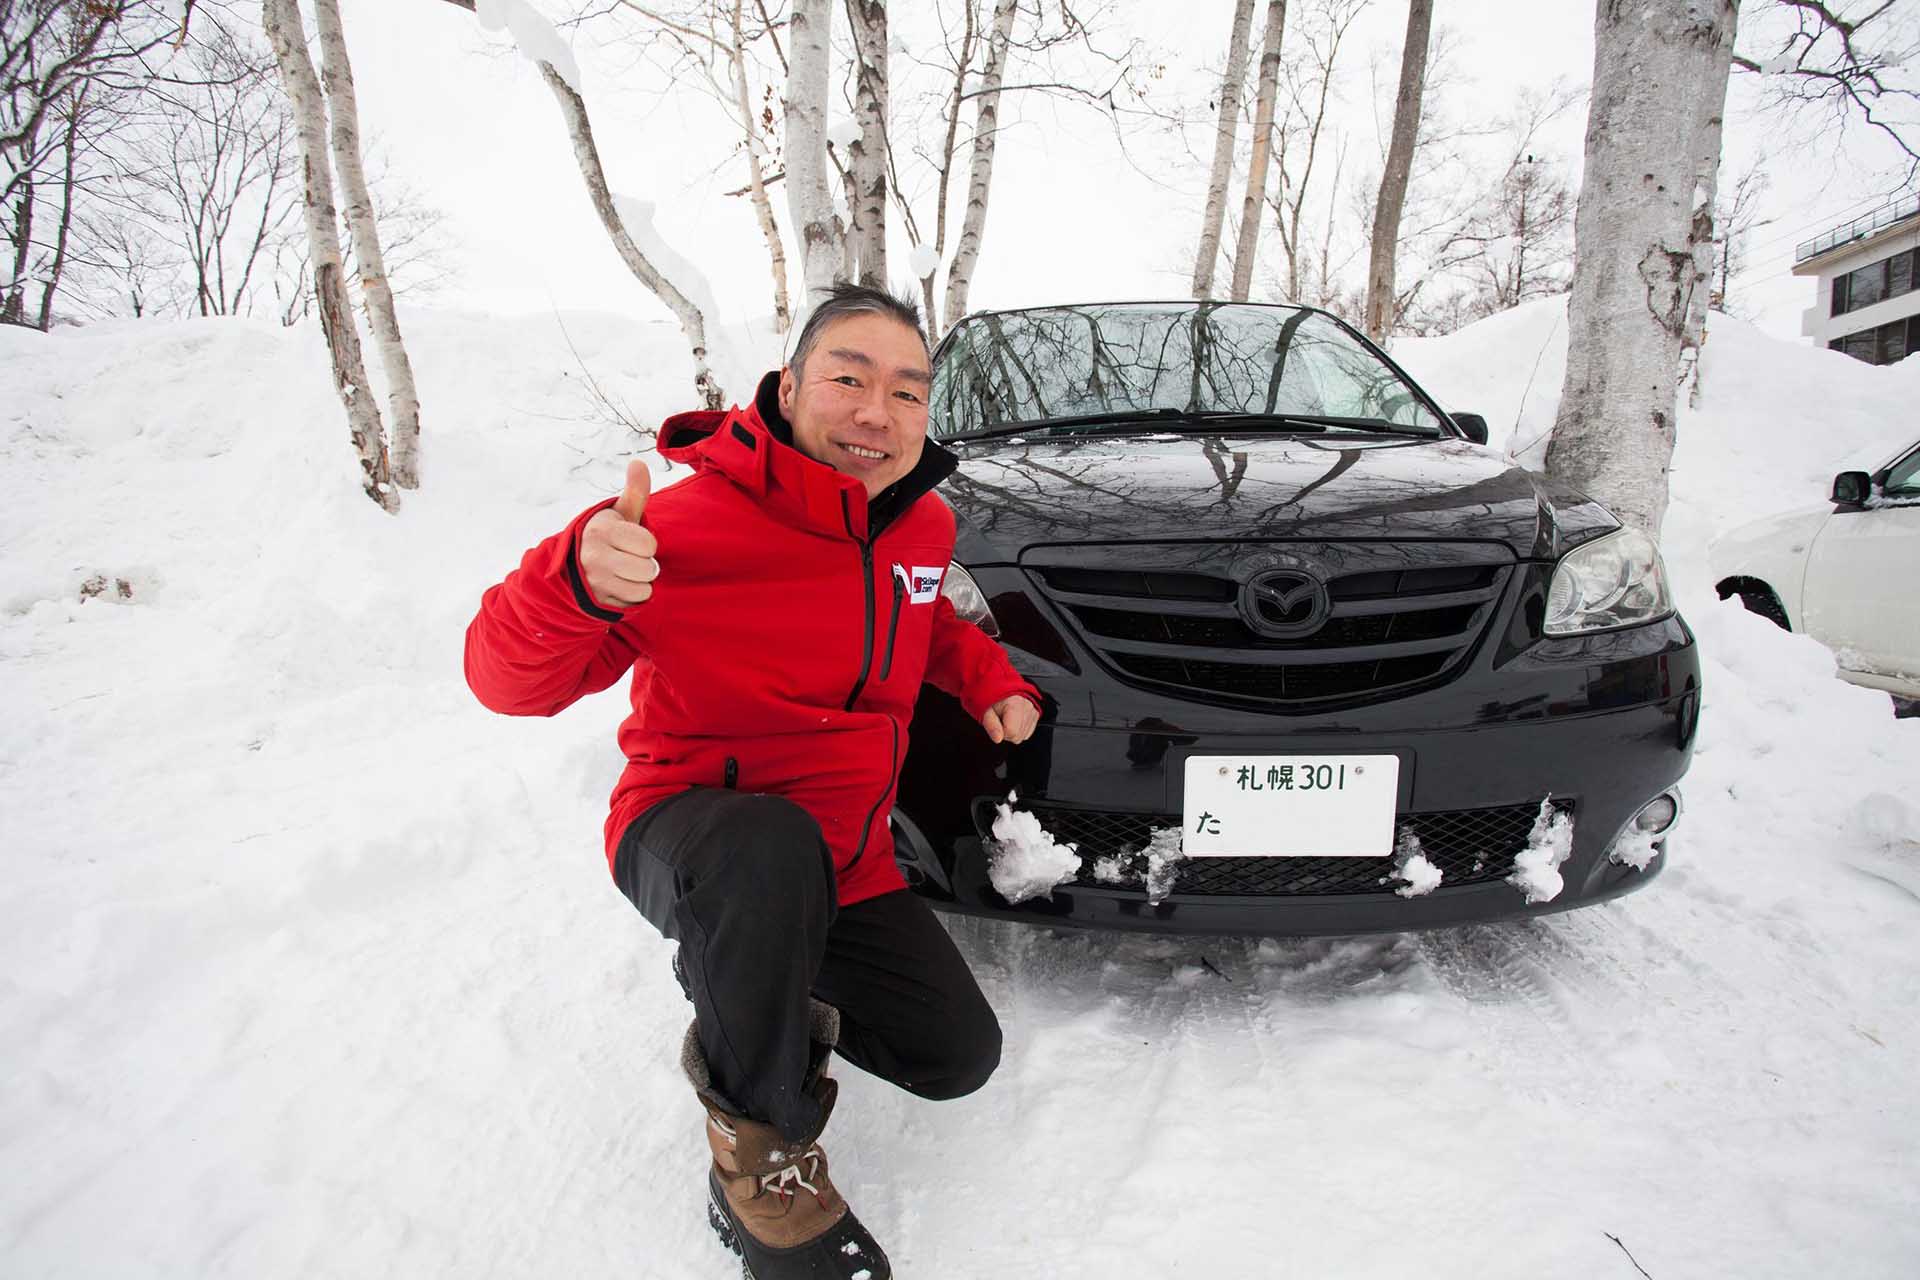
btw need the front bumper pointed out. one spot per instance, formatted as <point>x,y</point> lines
<point>1603,724</point>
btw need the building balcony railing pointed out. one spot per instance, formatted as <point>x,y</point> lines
<point>1859,228</point>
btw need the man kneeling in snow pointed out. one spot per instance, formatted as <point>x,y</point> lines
<point>779,610</point>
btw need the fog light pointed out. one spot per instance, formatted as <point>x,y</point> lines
<point>1659,815</point>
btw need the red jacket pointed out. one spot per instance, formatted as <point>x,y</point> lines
<point>784,645</point>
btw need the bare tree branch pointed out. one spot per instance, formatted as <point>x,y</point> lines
<point>1825,62</point>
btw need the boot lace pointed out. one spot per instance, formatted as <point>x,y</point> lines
<point>783,1182</point>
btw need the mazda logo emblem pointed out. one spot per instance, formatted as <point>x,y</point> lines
<point>1284,603</point>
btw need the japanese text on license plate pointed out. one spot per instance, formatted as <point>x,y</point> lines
<point>1290,806</point>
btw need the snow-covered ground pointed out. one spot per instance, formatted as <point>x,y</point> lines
<point>309,966</point>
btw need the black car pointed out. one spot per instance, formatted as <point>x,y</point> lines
<point>1314,659</point>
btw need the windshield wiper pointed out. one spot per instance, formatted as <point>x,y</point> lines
<point>1122,417</point>
<point>1201,419</point>
<point>1323,420</point>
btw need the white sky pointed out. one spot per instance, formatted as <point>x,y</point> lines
<point>469,123</point>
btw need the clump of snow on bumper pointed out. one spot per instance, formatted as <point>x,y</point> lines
<point>1025,861</point>
<point>1164,854</point>
<point>1634,848</point>
<point>1411,866</point>
<point>1154,866</point>
<point>1536,869</point>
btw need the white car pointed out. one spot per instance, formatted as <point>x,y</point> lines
<point>1846,573</point>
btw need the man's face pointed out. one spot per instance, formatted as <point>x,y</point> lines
<point>860,403</point>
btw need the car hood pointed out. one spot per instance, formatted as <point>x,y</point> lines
<point>1782,534</point>
<point>1014,494</point>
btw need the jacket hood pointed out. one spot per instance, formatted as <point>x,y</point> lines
<point>753,447</point>
<point>682,434</point>
<point>1015,495</point>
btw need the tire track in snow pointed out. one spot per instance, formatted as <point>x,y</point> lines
<point>1128,1052</point>
<point>1160,1062</point>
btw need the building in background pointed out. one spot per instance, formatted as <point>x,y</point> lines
<point>1869,275</point>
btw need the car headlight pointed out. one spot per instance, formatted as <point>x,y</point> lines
<point>1613,581</point>
<point>962,592</point>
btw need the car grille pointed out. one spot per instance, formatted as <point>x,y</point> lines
<point>1469,846</point>
<point>1388,628</point>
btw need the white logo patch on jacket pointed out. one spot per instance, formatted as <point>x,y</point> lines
<point>922,581</point>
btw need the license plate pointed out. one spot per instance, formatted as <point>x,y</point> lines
<point>1290,806</point>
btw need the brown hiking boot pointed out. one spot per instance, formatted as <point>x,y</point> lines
<point>770,1199</point>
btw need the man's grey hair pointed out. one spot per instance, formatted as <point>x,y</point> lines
<point>843,300</point>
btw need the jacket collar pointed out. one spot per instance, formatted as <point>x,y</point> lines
<point>753,447</point>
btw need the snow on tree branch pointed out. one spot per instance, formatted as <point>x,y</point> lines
<point>533,34</point>
<point>573,107</point>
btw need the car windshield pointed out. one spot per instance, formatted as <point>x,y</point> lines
<point>1059,370</point>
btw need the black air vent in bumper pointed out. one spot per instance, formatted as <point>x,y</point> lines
<point>1469,846</point>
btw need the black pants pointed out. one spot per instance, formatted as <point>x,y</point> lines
<point>744,882</point>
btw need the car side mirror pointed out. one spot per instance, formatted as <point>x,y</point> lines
<point>1852,488</point>
<point>1473,424</point>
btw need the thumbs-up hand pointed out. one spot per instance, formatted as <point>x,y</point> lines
<point>616,553</point>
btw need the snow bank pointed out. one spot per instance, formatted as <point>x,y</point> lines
<point>1508,368</point>
<point>1788,748</point>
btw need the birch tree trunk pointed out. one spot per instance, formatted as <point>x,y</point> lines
<point>986,124</point>
<point>1223,138</point>
<point>1245,247</point>
<point>281,19</point>
<point>962,63</point>
<point>869,19</point>
<point>403,401</point>
<point>1706,193</point>
<point>1660,75</point>
<point>692,323</point>
<point>809,198</point>
<point>13,305</point>
<point>842,229</point>
<point>756,179</point>
<point>1393,180</point>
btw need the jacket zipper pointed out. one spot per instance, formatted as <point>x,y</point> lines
<point>732,773</point>
<point>866,579</point>
<point>866,665</point>
<point>893,775</point>
<point>893,625</point>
